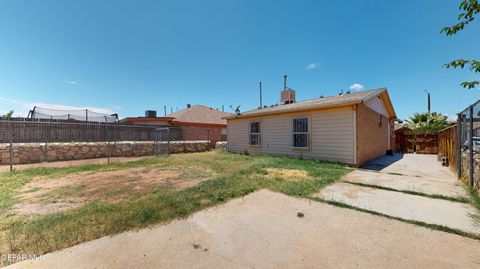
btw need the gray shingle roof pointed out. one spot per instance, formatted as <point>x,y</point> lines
<point>330,101</point>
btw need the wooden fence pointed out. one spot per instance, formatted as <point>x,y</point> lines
<point>407,141</point>
<point>448,145</point>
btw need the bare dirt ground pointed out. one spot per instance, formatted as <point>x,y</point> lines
<point>262,230</point>
<point>47,195</point>
<point>6,168</point>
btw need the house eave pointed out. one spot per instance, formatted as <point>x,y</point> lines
<point>306,108</point>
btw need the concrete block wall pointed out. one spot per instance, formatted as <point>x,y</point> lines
<point>466,169</point>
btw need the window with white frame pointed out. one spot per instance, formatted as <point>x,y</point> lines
<point>300,133</point>
<point>255,133</point>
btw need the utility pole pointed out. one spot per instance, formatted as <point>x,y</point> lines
<point>428,97</point>
<point>261,102</point>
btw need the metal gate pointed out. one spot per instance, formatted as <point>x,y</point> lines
<point>162,141</point>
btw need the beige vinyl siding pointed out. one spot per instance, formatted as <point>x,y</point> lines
<point>237,135</point>
<point>331,135</point>
<point>376,104</point>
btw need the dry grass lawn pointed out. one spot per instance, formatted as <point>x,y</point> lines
<point>287,174</point>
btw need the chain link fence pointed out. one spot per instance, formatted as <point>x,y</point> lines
<point>468,166</point>
<point>29,141</point>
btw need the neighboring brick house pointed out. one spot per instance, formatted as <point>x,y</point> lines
<point>351,128</point>
<point>195,122</point>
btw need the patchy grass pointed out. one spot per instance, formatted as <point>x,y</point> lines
<point>74,190</point>
<point>235,176</point>
<point>475,200</point>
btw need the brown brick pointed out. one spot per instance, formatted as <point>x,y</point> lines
<point>372,134</point>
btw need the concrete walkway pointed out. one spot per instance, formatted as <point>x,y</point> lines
<point>427,185</point>
<point>410,172</point>
<point>262,230</point>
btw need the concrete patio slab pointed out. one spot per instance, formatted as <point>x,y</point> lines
<point>461,216</point>
<point>420,165</point>
<point>427,185</point>
<point>262,230</point>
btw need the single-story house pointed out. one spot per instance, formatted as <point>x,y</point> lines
<point>350,128</point>
<point>197,122</point>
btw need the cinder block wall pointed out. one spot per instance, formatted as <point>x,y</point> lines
<point>466,169</point>
<point>372,137</point>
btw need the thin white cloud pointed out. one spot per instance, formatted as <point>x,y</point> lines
<point>23,107</point>
<point>312,66</point>
<point>356,87</point>
<point>71,82</point>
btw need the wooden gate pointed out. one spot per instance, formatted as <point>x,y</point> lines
<point>448,143</point>
<point>407,141</point>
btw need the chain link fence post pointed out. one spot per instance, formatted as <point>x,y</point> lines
<point>459,146</point>
<point>155,137</point>
<point>107,141</point>
<point>470,146</point>
<point>45,151</point>
<point>168,141</point>
<point>11,146</point>
<point>114,138</point>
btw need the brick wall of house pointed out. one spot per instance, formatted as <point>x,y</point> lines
<point>372,134</point>
<point>202,133</point>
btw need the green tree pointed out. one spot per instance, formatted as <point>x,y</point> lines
<point>8,115</point>
<point>469,9</point>
<point>427,122</point>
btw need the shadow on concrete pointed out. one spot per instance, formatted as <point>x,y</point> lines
<point>382,162</point>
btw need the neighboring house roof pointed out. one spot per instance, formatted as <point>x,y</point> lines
<point>164,120</point>
<point>324,102</point>
<point>200,114</point>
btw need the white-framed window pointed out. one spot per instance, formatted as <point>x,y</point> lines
<point>255,133</point>
<point>301,132</point>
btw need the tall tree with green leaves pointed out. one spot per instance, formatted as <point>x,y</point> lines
<point>427,122</point>
<point>469,9</point>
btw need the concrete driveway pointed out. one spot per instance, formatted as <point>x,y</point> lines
<point>262,230</point>
<point>412,187</point>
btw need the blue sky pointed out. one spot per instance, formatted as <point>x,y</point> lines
<point>128,56</point>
